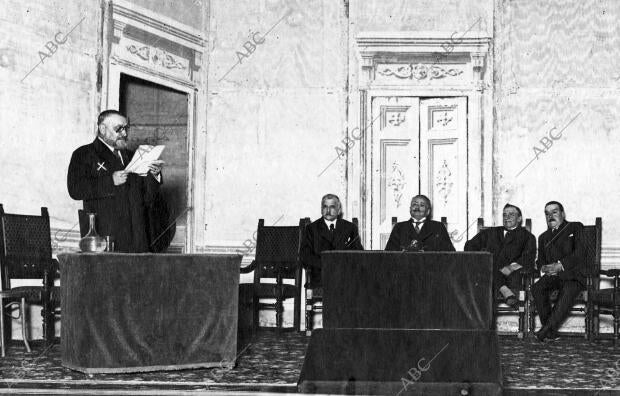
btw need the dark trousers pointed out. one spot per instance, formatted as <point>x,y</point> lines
<point>512,281</point>
<point>568,291</point>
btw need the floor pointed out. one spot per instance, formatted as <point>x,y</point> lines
<point>272,363</point>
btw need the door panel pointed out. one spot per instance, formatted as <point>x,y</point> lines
<point>395,159</point>
<point>443,160</point>
<point>418,146</point>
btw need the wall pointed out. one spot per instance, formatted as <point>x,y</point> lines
<point>48,112</point>
<point>272,120</point>
<point>558,60</point>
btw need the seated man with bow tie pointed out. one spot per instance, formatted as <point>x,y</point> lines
<point>128,206</point>
<point>513,248</point>
<point>561,258</point>
<point>330,232</point>
<point>420,233</point>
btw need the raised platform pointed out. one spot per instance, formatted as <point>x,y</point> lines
<point>272,364</point>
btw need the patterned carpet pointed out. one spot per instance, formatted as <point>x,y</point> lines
<point>272,363</point>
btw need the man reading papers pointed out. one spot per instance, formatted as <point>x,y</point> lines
<point>128,205</point>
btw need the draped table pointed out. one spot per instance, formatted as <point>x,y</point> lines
<point>430,290</point>
<point>148,312</point>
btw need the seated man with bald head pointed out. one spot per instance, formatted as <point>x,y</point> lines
<point>420,233</point>
<point>514,251</point>
<point>330,232</point>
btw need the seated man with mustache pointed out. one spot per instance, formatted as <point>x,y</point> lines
<point>327,233</point>
<point>561,258</point>
<point>420,233</point>
<point>128,206</point>
<point>513,248</point>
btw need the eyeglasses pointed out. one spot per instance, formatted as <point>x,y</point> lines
<point>121,128</point>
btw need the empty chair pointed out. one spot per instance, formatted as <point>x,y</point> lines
<point>277,257</point>
<point>26,253</point>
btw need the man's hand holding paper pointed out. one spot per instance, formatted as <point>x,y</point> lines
<point>145,160</point>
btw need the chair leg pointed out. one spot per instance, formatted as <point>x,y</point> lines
<point>309,317</point>
<point>279,312</point>
<point>2,346</point>
<point>297,313</point>
<point>616,324</point>
<point>22,308</point>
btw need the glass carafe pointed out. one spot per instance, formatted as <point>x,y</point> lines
<point>92,242</point>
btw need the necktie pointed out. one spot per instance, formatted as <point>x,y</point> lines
<point>331,228</point>
<point>417,226</point>
<point>118,155</point>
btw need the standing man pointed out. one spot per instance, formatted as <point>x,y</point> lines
<point>128,206</point>
<point>561,258</point>
<point>513,248</point>
<point>327,233</point>
<point>420,233</point>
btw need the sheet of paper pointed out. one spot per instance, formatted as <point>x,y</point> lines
<point>144,156</point>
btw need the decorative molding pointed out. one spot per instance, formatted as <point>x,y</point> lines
<point>419,71</point>
<point>396,118</point>
<point>445,120</point>
<point>422,55</point>
<point>176,49</point>
<point>383,186</point>
<point>443,181</point>
<point>392,115</point>
<point>397,183</point>
<point>158,57</point>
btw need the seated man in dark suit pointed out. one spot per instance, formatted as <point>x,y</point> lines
<point>513,248</point>
<point>419,233</point>
<point>327,233</point>
<point>561,258</point>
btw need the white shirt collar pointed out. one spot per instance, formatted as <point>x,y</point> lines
<point>509,229</point>
<point>422,220</point>
<point>328,223</point>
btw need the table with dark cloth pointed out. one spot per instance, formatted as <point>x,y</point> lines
<point>147,312</point>
<point>378,289</point>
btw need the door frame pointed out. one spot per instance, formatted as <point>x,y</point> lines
<point>150,46</point>
<point>113,97</point>
<point>387,64</point>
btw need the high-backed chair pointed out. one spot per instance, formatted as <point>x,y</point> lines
<point>600,301</point>
<point>526,281</point>
<point>277,258</point>
<point>26,253</point>
<point>604,302</point>
<point>444,221</point>
<point>314,295</point>
<point>592,237</point>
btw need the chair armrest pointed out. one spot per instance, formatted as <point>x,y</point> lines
<point>55,267</point>
<point>610,272</point>
<point>249,268</point>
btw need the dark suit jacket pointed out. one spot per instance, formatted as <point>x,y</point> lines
<point>318,239</point>
<point>127,212</point>
<point>433,236</point>
<point>519,246</point>
<point>568,247</point>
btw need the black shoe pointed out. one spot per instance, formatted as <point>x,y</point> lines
<point>553,336</point>
<point>543,333</point>
<point>512,302</point>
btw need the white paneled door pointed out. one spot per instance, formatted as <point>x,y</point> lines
<point>418,146</point>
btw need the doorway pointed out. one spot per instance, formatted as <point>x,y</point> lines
<point>158,115</point>
<point>417,146</point>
